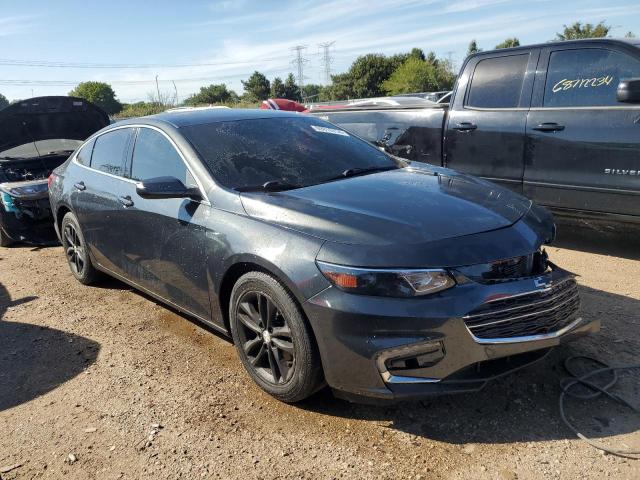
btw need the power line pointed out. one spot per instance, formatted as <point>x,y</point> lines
<point>58,64</point>
<point>65,83</point>
<point>327,59</point>
<point>299,62</point>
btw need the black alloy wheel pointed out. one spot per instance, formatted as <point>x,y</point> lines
<point>273,338</point>
<point>266,338</point>
<point>74,249</point>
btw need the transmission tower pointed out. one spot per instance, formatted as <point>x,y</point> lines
<point>299,61</point>
<point>326,60</point>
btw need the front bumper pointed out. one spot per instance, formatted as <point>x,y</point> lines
<point>27,219</point>
<point>398,348</point>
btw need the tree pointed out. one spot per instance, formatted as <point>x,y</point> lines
<point>257,86</point>
<point>414,75</point>
<point>588,30</point>
<point>291,88</point>
<point>417,53</point>
<point>99,93</point>
<point>277,88</point>
<point>509,43</point>
<point>629,35</point>
<point>473,48</point>
<point>365,76</point>
<point>3,102</point>
<point>214,93</point>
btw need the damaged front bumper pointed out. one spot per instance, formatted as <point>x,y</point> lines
<point>25,212</point>
<point>454,341</point>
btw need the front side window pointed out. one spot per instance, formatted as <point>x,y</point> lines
<point>587,77</point>
<point>296,150</point>
<point>154,156</point>
<point>109,151</point>
<point>497,82</point>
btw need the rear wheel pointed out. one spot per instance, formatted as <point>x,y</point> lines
<point>75,249</point>
<point>273,339</point>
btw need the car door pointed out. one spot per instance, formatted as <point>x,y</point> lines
<point>166,238</point>
<point>96,195</point>
<point>485,130</point>
<point>583,147</point>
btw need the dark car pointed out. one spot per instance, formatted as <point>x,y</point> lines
<point>326,259</point>
<point>36,136</point>
<point>556,122</point>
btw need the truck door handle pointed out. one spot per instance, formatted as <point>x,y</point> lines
<point>465,126</point>
<point>126,201</point>
<point>549,127</point>
<point>80,186</point>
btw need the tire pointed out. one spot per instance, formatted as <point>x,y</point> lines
<point>284,362</point>
<point>75,249</point>
<point>5,240</point>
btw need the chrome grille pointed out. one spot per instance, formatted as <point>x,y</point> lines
<point>536,313</point>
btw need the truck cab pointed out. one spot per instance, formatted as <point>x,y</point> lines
<point>547,122</point>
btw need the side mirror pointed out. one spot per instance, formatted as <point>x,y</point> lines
<point>629,91</point>
<point>166,187</point>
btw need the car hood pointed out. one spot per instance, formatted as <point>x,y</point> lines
<point>47,118</point>
<point>412,205</point>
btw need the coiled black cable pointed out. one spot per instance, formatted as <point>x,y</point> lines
<point>567,384</point>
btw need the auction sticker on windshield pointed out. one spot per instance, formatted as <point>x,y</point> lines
<point>334,131</point>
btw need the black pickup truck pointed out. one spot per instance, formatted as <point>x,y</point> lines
<point>557,122</point>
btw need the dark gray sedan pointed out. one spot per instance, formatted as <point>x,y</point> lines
<point>326,259</point>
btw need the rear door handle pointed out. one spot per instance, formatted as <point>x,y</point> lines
<point>80,186</point>
<point>549,127</point>
<point>465,126</point>
<point>126,201</point>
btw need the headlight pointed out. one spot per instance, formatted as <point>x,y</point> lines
<point>387,283</point>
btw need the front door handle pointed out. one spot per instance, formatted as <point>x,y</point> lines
<point>465,126</point>
<point>549,127</point>
<point>80,186</point>
<point>126,201</point>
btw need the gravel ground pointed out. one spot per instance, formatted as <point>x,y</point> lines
<point>102,382</point>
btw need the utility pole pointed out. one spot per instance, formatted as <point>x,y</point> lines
<point>299,61</point>
<point>158,89</point>
<point>176,89</point>
<point>450,60</point>
<point>326,60</point>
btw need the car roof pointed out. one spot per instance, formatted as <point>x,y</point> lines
<point>188,117</point>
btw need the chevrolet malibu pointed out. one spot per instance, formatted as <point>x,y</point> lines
<point>326,260</point>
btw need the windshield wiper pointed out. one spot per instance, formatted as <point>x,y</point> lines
<point>354,172</point>
<point>270,186</point>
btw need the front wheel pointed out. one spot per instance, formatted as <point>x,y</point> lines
<point>75,249</point>
<point>273,339</point>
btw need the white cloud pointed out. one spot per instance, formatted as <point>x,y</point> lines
<point>16,25</point>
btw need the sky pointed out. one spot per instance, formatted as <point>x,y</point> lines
<point>47,47</point>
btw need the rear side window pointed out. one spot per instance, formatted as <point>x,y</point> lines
<point>84,155</point>
<point>154,156</point>
<point>109,151</point>
<point>497,82</point>
<point>587,77</point>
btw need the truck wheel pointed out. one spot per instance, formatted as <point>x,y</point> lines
<point>75,249</point>
<point>273,339</point>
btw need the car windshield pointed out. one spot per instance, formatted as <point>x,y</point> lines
<point>290,152</point>
<point>41,147</point>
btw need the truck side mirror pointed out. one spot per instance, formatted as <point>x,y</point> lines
<point>629,91</point>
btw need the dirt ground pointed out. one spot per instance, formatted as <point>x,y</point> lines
<point>101,382</point>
